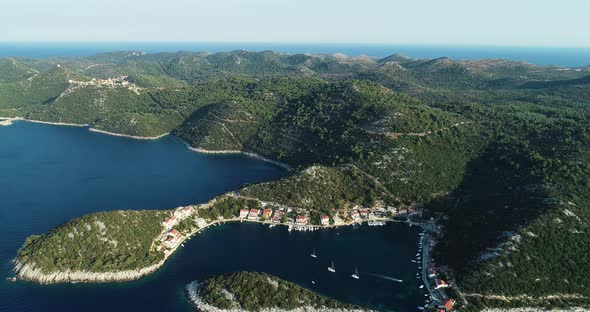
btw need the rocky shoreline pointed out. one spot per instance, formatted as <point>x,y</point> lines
<point>128,135</point>
<point>9,121</point>
<point>25,271</point>
<point>250,154</point>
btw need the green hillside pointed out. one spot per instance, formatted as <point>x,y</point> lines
<point>246,291</point>
<point>499,150</point>
<point>98,242</point>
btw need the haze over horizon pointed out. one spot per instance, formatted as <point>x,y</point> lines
<point>454,22</point>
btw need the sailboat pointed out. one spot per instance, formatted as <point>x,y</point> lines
<point>313,255</point>
<point>356,274</point>
<point>332,268</point>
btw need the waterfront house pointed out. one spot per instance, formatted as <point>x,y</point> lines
<point>440,284</point>
<point>266,213</point>
<point>301,220</point>
<point>170,222</point>
<point>244,213</point>
<point>201,223</point>
<point>355,214</point>
<point>277,216</point>
<point>172,238</point>
<point>325,220</point>
<point>183,212</point>
<point>169,241</point>
<point>446,306</point>
<point>253,215</point>
<point>337,220</point>
<point>176,233</point>
<point>364,213</point>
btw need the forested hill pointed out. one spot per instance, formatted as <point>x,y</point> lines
<point>499,149</point>
<point>249,291</point>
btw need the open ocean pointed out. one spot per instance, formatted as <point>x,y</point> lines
<point>50,174</point>
<point>562,56</point>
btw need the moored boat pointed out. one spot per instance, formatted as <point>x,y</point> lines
<point>332,268</point>
<point>356,274</point>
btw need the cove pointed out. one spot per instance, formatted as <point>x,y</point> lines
<point>50,174</point>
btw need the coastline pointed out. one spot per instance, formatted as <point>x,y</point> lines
<point>26,271</point>
<point>250,154</point>
<point>7,121</point>
<point>13,119</point>
<point>128,135</point>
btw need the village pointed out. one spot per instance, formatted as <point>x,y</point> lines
<point>185,221</point>
<point>120,81</point>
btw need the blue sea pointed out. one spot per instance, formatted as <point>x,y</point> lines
<point>50,174</point>
<point>562,56</point>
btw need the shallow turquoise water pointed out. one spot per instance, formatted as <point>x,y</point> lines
<point>50,174</point>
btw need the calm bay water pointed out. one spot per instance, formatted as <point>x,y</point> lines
<point>50,174</point>
<point>562,56</point>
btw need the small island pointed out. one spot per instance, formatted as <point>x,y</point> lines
<point>247,291</point>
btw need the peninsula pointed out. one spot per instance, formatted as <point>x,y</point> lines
<point>126,245</point>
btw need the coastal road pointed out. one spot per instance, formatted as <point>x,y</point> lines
<point>426,240</point>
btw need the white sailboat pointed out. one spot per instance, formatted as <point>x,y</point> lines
<point>356,274</point>
<point>313,255</point>
<point>332,268</point>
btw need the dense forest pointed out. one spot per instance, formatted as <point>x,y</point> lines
<point>98,242</point>
<point>247,291</point>
<point>499,149</point>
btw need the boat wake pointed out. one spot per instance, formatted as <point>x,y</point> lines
<point>389,278</point>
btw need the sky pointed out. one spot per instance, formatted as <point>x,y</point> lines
<point>449,22</point>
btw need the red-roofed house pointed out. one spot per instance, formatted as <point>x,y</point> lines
<point>172,238</point>
<point>440,284</point>
<point>253,215</point>
<point>170,222</point>
<point>325,220</point>
<point>244,213</point>
<point>176,233</point>
<point>301,220</point>
<point>183,212</point>
<point>447,305</point>
<point>267,213</point>
<point>365,213</point>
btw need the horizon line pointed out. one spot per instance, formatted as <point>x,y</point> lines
<point>298,43</point>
